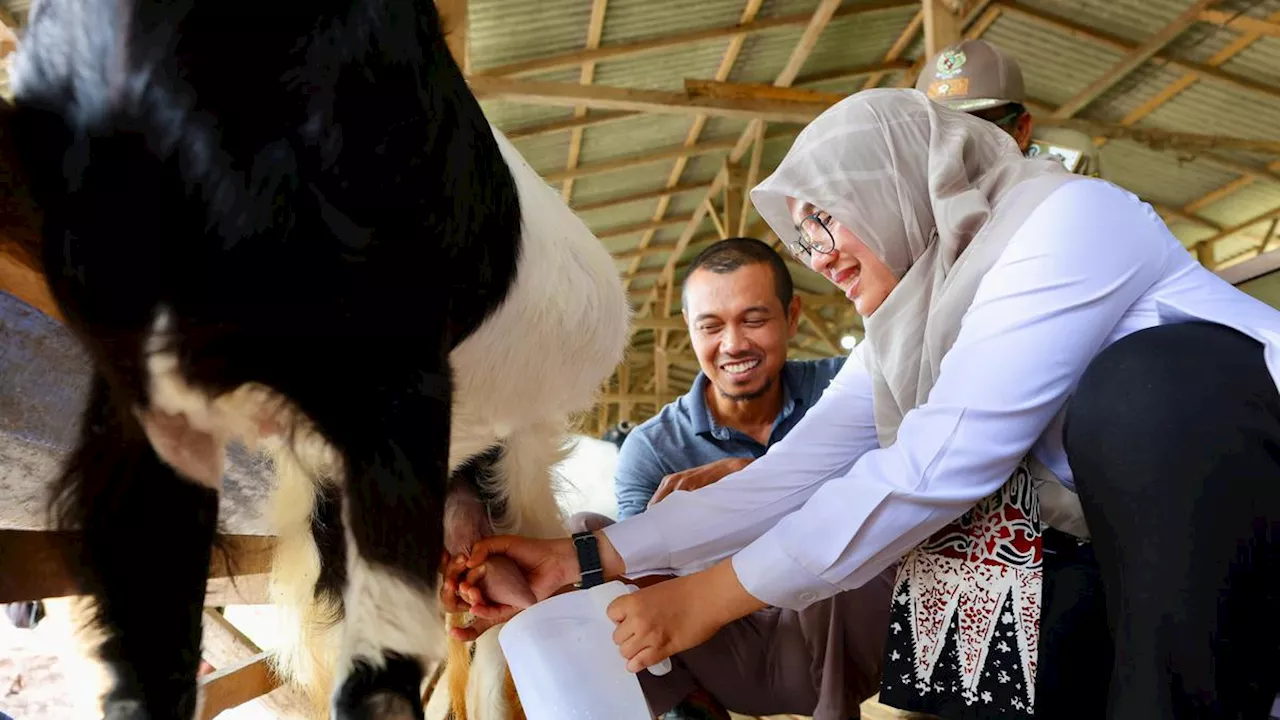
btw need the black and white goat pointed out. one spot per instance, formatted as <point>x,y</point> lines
<point>292,225</point>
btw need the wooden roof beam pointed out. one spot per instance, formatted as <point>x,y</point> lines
<point>1132,59</point>
<point>541,92</point>
<point>639,197</point>
<point>639,47</point>
<point>1084,32</point>
<point>941,25</point>
<point>813,102</point>
<point>634,228</point>
<point>572,123</point>
<point>728,59</point>
<point>1242,23</point>
<point>454,22</point>
<point>658,155</point>
<point>595,28</point>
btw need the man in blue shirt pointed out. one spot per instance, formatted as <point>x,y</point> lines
<point>741,311</point>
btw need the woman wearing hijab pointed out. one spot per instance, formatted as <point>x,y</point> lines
<point>1041,355</point>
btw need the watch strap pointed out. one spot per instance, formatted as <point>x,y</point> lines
<point>588,560</point>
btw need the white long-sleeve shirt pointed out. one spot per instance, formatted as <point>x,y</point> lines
<point>826,509</point>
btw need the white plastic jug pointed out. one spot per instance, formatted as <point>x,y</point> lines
<point>565,664</point>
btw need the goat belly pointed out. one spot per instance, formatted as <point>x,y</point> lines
<point>466,521</point>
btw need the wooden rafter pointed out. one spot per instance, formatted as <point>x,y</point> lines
<point>595,28</point>
<point>800,53</point>
<point>639,197</point>
<point>905,38</point>
<point>727,60</point>
<point>811,103</point>
<point>453,19</point>
<point>555,126</point>
<point>1118,44</point>
<point>1133,59</point>
<point>941,25</point>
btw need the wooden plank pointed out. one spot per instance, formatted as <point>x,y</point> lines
<point>905,38</point>
<point>555,126</point>
<point>1073,29</point>
<point>35,565</point>
<point>640,197</point>
<point>595,27</point>
<point>454,22</point>
<point>236,685</point>
<point>816,101</point>
<point>640,227</point>
<point>727,60</point>
<point>1241,23</point>
<point>941,26</point>
<point>562,94</point>
<point>1133,59</point>
<point>223,645</point>
<point>820,327</point>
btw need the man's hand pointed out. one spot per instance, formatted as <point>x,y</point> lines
<point>701,476</point>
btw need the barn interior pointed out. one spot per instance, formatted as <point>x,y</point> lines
<point>653,118</point>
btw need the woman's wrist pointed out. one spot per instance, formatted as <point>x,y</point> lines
<point>610,561</point>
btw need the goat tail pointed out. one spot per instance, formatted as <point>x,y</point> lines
<point>308,622</point>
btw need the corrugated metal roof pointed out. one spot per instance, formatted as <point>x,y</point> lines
<point>1158,176</point>
<point>503,31</point>
<point>1134,20</point>
<point>1055,67</point>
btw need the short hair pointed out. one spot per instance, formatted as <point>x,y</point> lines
<point>729,254</point>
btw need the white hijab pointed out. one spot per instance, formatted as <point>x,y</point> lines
<point>936,195</point>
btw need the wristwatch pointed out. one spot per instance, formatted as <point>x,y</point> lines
<point>588,560</point>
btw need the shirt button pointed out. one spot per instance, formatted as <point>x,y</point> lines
<point>808,597</point>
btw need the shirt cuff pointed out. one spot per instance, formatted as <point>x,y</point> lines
<point>772,576</point>
<point>638,539</point>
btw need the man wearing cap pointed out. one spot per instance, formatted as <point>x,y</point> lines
<point>976,77</point>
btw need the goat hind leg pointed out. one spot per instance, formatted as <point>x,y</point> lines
<point>396,466</point>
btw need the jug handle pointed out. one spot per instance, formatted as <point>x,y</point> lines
<point>659,669</point>
<point>663,667</point>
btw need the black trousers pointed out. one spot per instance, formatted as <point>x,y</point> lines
<point>1174,440</point>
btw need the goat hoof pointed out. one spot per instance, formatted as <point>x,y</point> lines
<point>387,693</point>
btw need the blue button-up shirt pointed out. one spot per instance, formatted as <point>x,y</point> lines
<point>684,434</point>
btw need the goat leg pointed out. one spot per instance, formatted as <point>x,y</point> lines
<point>146,539</point>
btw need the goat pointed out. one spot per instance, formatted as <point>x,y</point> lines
<point>295,228</point>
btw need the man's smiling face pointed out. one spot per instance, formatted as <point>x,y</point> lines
<point>739,328</point>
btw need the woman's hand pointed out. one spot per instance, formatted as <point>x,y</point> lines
<point>547,565</point>
<point>659,621</point>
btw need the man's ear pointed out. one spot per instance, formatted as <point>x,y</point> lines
<point>793,317</point>
<point>1022,131</point>
<point>20,224</point>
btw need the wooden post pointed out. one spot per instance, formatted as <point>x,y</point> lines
<point>453,18</point>
<point>624,387</point>
<point>941,26</point>
<point>735,189</point>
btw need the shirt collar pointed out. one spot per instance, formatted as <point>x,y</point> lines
<point>705,423</point>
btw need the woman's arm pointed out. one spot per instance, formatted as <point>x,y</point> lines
<point>691,530</point>
<point>1040,316</point>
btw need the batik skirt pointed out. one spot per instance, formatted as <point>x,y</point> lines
<point>965,619</point>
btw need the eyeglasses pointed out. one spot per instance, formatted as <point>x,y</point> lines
<point>814,236</point>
